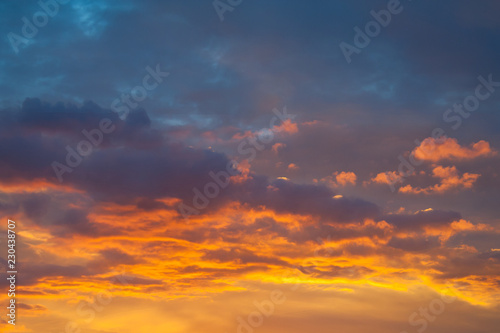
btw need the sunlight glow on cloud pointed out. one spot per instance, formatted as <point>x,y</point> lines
<point>436,150</point>
<point>449,180</point>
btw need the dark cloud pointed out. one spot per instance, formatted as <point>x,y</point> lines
<point>110,258</point>
<point>320,233</point>
<point>478,265</point>
<point>285,196</point>
<point>33,307</point>
<point>124,280</point>
<point>55,210</point>
<point>242,256</point>
<point>350,272</point>
<point>428,218</point>
<point>138,162</point>
<point>482,240</point>
<point>414,244</point>
<point>33,272</point>
<point>209,272</point>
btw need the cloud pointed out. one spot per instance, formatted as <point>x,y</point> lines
<point>32,308</point>
<point>285,128</point>
<point>242,256</point>
<point>33,272</point>
<point>109,258</point>
<point>388,178</point>
<point>450,180</point>
<point>277,147</point>
<point>285,196</point>
<point>134,280</point>
<point>332,271</point>
<point>411,244</point>
<point>138,162</point>
<point>339,179</point>
<point>345,178</point>
<point>435,150</point>
<point>422,219</point>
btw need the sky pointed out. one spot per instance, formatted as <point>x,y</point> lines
<point>250,166</point>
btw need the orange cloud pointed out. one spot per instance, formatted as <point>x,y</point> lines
<point>312,123</point>
<point>463,225</point>
<point>287,127</point>
<point>244,169</point>
<point>277,147</point>
<point>435,150</point>
<point>450,179</point>
<point>229,250</point>
<point>388,177</point>
<point>345,178</point>
<point>339,179</point>
<point>226,251</point>
<point>38,185</point>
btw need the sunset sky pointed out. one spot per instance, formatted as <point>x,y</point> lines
<point>251,166</point>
